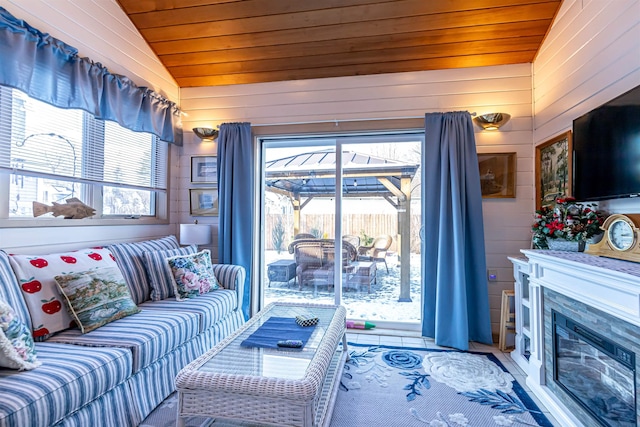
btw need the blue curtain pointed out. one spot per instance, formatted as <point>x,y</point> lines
<point>51,71</point>
<point>455,293</point>
<point>236,177</point>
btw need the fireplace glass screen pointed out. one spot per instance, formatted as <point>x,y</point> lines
<point>596,372</point>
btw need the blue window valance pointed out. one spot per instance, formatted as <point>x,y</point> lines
<point>50,70</point>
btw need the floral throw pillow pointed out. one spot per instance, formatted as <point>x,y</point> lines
<point>17,350</point>
<point>97,297</point>
<point>192,275</point>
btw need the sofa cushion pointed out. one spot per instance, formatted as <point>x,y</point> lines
<point>17,350</point>
<point>10,290</point>
<point>69,378</point>
<point>192,275</point>
<point>160,277</point>
<point>95,298</point>
<point>149,335</point>
<point>129,257</point>
<point>36,274</point>
<point>211,307</point>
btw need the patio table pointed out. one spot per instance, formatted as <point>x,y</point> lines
<point>363,274</point>
<point>282,270</point>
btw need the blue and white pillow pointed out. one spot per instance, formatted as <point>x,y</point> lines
<point>129,257</point>
<point>159,273</point>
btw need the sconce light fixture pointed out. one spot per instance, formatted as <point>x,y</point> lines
<point>492,121</point>
<point>206,134</point>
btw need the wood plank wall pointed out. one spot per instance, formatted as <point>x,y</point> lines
<point>100,30</point>
<point>482,90</point>
<point>590,56</point>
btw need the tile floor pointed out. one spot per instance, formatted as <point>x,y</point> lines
<point>382,337</point>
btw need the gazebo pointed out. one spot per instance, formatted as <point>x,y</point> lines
<point>306,176</point>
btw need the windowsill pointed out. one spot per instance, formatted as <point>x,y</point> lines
<point>86,222</point>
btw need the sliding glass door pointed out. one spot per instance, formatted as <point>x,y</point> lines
<point>298,222</point>
<point>373,212</point>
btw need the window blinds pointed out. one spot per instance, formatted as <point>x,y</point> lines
<point>37,139</point>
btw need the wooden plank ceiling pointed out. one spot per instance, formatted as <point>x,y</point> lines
<point>222,42</point>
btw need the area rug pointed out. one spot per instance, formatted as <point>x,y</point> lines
<point>394,386</point>
<point>401,387</point>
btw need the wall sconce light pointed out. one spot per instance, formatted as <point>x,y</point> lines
<point>492,121</point>
<point>206,134</point>
<point>195,234</point>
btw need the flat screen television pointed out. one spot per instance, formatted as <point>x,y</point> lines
<point>606,150</point>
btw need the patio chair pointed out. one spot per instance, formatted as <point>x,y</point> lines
<point>303,236</point>
<point>354,240</point>
<point>377,251</point>
<point>315,260</point>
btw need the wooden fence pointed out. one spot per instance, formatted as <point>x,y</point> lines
<point>322,225</point>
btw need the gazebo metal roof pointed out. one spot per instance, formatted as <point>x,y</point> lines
<point>313,174</point>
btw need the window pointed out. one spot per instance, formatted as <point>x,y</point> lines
<point>50,154</point>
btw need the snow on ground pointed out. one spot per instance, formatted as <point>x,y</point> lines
<point>381,304</point>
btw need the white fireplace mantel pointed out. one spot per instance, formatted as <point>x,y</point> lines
<point>609,285</point>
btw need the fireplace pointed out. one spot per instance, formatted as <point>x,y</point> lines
<point>596,372</point>
<point>598,349</point>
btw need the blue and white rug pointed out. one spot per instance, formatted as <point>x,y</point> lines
<point>402,387</point>
<point>395,386</point>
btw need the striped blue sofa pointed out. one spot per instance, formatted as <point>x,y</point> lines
<point>117,374</point>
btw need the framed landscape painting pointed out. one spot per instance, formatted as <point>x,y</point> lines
<point>497,175</point>
<point>553,170</point>
<point>203,201</point>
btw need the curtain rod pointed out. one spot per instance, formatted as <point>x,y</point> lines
<point>338,121</point>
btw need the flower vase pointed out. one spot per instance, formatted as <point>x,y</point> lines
<point>595,238</point>
<point>566,245</point>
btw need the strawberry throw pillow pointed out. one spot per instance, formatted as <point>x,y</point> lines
<point>36,276</point>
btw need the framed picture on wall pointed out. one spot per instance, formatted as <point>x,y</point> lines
<point>204,169</point>
<point>203,201</point>
<point>497,175</point>
<point>553,170</point>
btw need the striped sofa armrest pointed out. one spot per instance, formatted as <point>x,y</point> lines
<point>10,291</point>
<point>231,276</point>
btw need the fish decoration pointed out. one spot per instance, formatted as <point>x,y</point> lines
<point>73,209</point>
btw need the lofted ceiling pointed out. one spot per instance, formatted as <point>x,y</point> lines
<point>223,42</point>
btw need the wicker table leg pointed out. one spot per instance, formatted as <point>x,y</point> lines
<point>344,346</point>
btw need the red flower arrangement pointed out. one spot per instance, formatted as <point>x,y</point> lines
<point>568,220</point>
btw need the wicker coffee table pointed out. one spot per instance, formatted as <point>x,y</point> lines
<point>269,386</point>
